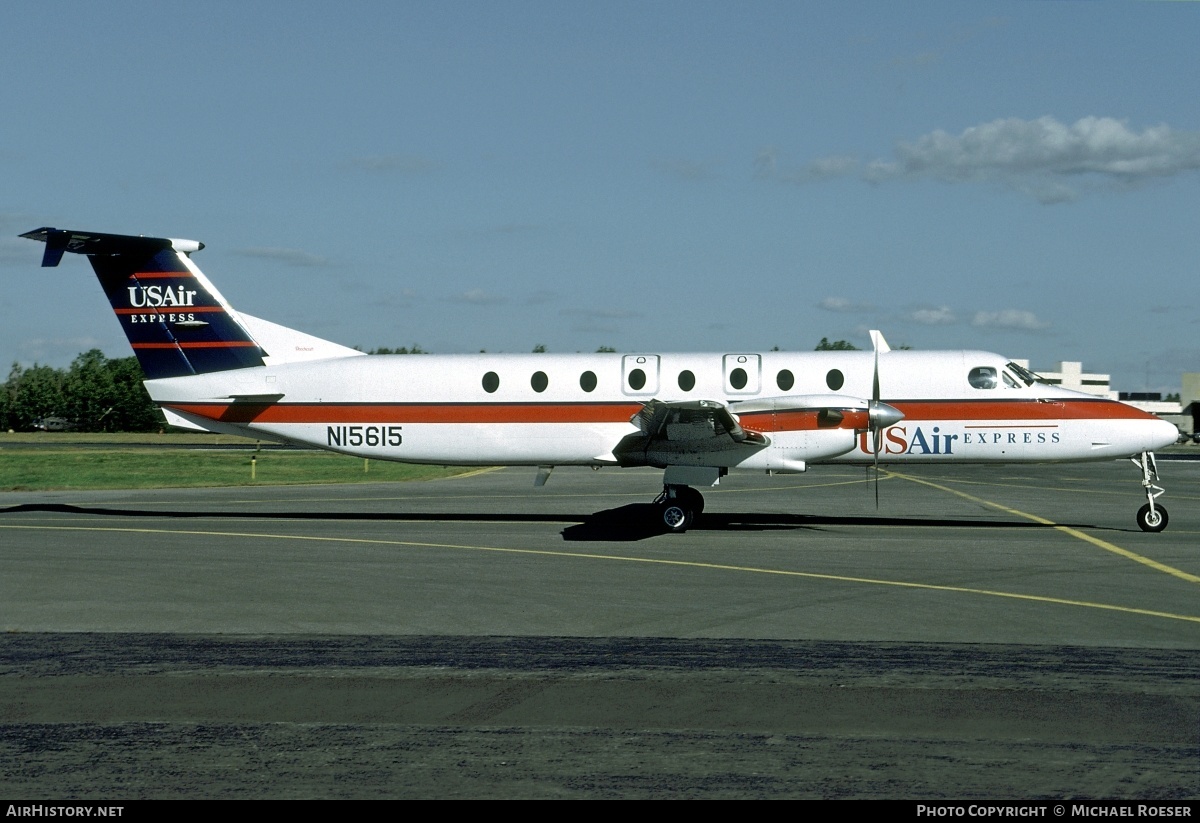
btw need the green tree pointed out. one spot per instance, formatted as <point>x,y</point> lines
<point>836,345</point>
<point>89,391</point>
<point>606,350</point>
<point>95,394</point>
<point>132,408</point>
<point>108,395</point>
<point>416,349</point>
<point>33,393</point>
<point>6,399</point>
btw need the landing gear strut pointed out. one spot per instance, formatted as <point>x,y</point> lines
<point>1150,517</point>
<point>678,507</point>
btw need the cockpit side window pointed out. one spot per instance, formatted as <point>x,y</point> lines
<point>1009,380</point>
<point>982,377</point>
<point>1028,377</point>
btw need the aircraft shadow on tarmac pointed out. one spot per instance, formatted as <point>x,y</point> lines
<point>635,521</point>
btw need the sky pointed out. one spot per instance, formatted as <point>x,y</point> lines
<point>1018,177</point>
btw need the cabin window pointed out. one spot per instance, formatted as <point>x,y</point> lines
<point>785,380</point>
<point>687,380</point>
<point>587,381</point>
<point>539,381</point>
<point>834,379</point>
<point>982,377</point>
<point>738,378</point>
<point>637,379</point>
<point>491,382</point>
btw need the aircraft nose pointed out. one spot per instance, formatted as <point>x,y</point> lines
<point>1161,433</point>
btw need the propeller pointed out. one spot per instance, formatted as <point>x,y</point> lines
<point>879,414</point>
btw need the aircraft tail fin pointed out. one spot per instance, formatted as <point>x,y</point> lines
<point>176,321</point>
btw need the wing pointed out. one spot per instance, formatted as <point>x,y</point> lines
<point>710,433</point>
<point>692,420</point>
<point>691,432</point>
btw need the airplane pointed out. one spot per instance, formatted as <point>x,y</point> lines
<point>695,416</point>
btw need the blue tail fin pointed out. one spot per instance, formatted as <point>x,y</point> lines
<point>175,319</point>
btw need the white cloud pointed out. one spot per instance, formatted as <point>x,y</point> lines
<point>394,298</point>
<point>292,257</point>
<point>690,170</point>
<point>939,316</point>
<point>766,162</point>
<point>844,305</point>
<point>1043,158</point>
<point>478,297</point>
<point>1009,319</point>
<point>401,163</point>
<point>1100,145</point>
<point>602,314</point>
<point>824,168</point>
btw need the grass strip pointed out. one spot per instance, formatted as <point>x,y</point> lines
<point>134,465</point>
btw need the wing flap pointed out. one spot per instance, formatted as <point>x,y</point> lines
<point>691,420</point>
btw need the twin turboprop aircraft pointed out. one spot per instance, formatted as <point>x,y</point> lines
<point>696,416</point>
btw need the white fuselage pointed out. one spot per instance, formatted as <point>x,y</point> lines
<point>547,409</point>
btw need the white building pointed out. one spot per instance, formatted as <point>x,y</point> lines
<point>1070,375</point>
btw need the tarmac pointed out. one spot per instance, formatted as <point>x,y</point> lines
<point>985,632</point>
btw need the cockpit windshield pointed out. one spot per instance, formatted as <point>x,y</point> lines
<point>1028,377</point>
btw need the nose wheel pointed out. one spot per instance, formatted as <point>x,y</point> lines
<point>679,507</point>
<point>1150,517</point>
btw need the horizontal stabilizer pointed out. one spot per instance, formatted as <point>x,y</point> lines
<point>180,422</point>
<point>59,241</point>
<point>256,399</point>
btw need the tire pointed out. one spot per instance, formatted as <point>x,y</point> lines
<point>693,500</point>
<point>1154,521</point>
<point>676,517</point>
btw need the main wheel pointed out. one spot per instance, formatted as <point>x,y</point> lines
<point>676,516</point>
<point>692,499</point>
<point>1152,521</point>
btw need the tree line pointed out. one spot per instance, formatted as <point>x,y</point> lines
<point>95,393</point>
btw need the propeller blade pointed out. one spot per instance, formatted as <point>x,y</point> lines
<point>877,434</point>
<point>879,414</point>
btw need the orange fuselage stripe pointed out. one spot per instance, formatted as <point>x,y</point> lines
<point>1013,414</point>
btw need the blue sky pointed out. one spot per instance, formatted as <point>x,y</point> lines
<point>1018,177</point>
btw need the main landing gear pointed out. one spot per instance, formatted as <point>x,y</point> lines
<point>1150,517</point>
<point>678,507</point>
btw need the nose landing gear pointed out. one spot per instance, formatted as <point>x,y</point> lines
<point>1150,517</point>
<point>678,507</point>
